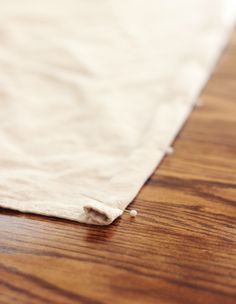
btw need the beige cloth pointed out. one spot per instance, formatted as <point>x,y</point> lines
<point>93,92</point>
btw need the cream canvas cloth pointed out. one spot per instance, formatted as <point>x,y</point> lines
<point>93,92</point>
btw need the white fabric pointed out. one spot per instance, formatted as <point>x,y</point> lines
<point>93,92</point>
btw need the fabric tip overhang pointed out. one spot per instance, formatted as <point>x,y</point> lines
<point>100,214</point>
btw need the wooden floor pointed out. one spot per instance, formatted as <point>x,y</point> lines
<point>180,249</point>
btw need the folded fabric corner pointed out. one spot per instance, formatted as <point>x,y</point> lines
<point>98,213</point>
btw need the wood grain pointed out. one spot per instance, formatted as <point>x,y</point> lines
<point>180,249</point>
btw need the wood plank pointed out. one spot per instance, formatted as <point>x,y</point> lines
<point>180,249</point>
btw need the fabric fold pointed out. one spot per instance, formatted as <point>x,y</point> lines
<point>100,214</point>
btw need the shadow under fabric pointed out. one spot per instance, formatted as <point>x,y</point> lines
<point>92,94</point>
